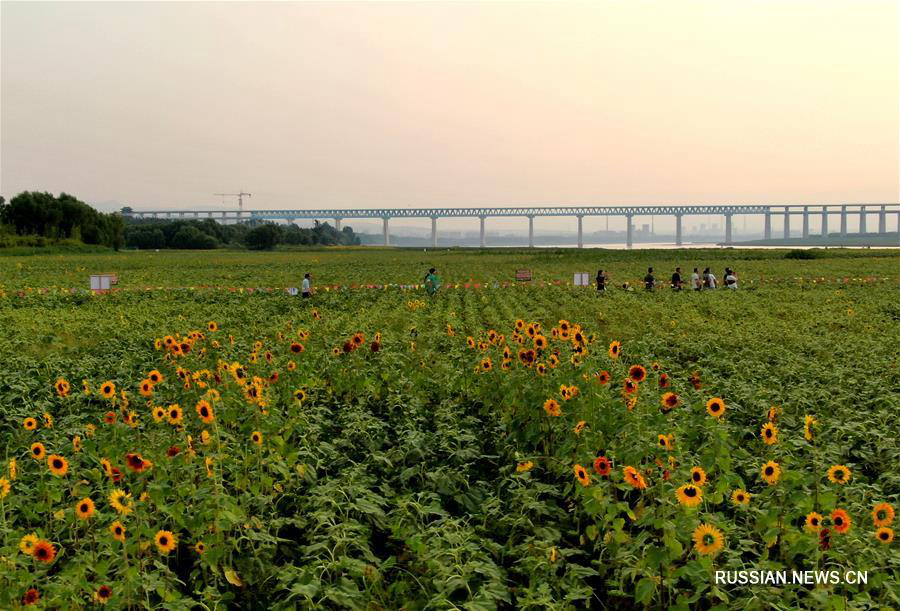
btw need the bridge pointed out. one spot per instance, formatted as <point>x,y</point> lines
<point>767,211</point>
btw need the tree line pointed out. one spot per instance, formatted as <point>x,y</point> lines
<point>255,235</point>
<point>65,217</point>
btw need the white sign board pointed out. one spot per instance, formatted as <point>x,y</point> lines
<point>101,282</point>
<point>582,279</point>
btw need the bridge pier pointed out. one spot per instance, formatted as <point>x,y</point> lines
<point>787,224</point>
<point>728,229</point>
<point>862,219</point>
<point>580,240</point>
<point>767,231</point>
<point>387,233</point>
<point>843,221</point>
<point>530,232</point>
<point>882,220</point>
<point>824,222</point>
<point>481,218</point>
<point>628,240</point>
<point>337,223</point>
<point>805,222</point>
<point>434,232</point>
<point>677,229</point>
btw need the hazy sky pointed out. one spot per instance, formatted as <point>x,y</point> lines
<point>420,104</point>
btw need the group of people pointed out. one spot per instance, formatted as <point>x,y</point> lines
<point>697,281</point>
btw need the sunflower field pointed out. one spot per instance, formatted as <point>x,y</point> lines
<point>186,442</point>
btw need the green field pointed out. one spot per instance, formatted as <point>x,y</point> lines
<point>428,473</point>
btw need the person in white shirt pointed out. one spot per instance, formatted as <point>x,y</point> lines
<point>307,290</point>
<point>731,280</point>
<point>695,280</point>
<point>709,279</point>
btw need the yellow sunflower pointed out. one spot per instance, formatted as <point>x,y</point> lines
<point>165,541</point>
<point>256,437</point>
<point>552,407</point>
<point>524,466</point>
<point>26,545</point>
<point>715,407</point>
<point>708,539</point>
<point>30,424</point>
<point>581,475</point>
<point>634,478</point>
<point>38,451</point>
<point>118,531</point>
<point>698,476</point>
<point>615,349</point>
<point>839,474</point>
<point>58,465</point>
<point>740,497</point>
<point>884,534</point>
<point>108,390</point>
<point>813,522</point>
<point>84,509</point>
<point>120,501</point>
<point>771,471</point>
<point>808,423</point>
<point>689,495</point>
<point>882,514</point>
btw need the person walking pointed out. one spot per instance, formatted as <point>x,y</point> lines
<point>601,281</point>
<point>676,280</point>
<point>649,280</point>
<point>731,280</point>
<point>307,288</point>
<point>709,279</point>
<point>432,282</point>
<point>695,280</point>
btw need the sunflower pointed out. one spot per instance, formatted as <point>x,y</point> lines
<point>470,342</point>
<point>634,478</point>
<point>769,433</point>
<point>165,541</point>
<point>689,495</point>
<point>62,387</point>
<point>38,451</point>
<point>664,380</point>
<point>30,424</point>
<point>296,347</point>
<point>205,437</point>
<point>118,531</point>
<point>103,594</point>
<point>708,539</point>
<point>208,461</point>
<point>108,390</point>
<point>524,466</point>
<point>839,474</point>
<point>58,465</point>
<point>31,597</point>
<point>256,437</point>
<point>669,401</point>
<point>109,417</point>
<point>120,501</point>
<point>581,475</point>
<point>808,423</point>
<point>884,534</point>
<point>26,545</point>
<point>155,377</point>
<point>137,463</point>
<point>4,487</point>
<point>300,395</point>
<point>698,476</point>
<point>813,522</point>
<point>540,342</point>
<point>740,497</point>
<point>603,377</point>
<point>773,413</point>
<point>841,521</point>
<point>540,369</point>
<point>637,373</point>
<point>771,471</point>
<point>552,407</point>
<point>715,407</point>
<point>666,442</point>
<point>615,349</point>
<point>602,466</point>
<point>44,551</point>
<point>212,326</point>
<point>485,364</point>
<point>205,411</point>
<point>84,509</point>
<point>882,514</point>
<point>159,414</point>
<point>200,547</point>
<point>629,386</point>
<point>175,414</point>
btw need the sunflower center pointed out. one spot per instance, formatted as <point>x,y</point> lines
<point>691,491</point>
<point>769,470</point>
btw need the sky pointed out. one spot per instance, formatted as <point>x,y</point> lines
<point>345,104</point>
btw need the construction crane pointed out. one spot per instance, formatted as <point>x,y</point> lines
<point>240,197</point>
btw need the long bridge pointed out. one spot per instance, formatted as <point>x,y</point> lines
<point>767,211</point>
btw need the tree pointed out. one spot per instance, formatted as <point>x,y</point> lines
<point>264,237</point>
